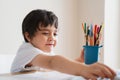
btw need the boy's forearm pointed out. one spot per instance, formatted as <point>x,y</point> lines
<point>79,60</point>
<point>65,65</point>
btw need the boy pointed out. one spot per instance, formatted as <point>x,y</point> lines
<point>39,29</point>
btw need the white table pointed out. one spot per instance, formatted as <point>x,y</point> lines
<point>53,75</point>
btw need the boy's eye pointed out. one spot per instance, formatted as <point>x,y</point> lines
<point>55,34</point>
<point>45,33</point>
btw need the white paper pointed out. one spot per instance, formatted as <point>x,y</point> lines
<point>53,75</point>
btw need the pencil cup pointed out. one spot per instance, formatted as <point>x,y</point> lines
<point>91,54</point>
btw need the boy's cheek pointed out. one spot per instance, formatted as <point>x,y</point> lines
<point>55,43</point>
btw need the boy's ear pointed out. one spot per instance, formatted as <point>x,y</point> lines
<point>27,36</point>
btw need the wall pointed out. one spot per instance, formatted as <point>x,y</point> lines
<point>71,14</point>
<point>112,35</point>
<point>13,12</point>
<point>91,12</point>
<point>70,18</point>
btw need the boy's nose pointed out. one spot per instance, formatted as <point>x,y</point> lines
<point>51,38</point>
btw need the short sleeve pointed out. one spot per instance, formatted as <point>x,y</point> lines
<point>25,54</point>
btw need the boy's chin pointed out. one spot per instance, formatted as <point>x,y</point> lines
<point>48,51</point>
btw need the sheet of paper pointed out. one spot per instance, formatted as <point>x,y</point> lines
<point>53,75</point>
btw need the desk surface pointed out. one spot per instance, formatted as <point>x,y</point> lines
<point>52,75</point>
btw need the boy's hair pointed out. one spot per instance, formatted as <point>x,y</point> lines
<point>36,19</point>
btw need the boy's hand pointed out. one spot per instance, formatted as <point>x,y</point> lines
<point>81,57</point>
<point>97,70</point>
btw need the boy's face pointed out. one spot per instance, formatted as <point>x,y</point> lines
<point>45,38</point>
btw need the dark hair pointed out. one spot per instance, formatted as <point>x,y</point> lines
<point>35,18</point>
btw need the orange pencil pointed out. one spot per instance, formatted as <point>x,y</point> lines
<point>83,27</point>
<point>91,40</point>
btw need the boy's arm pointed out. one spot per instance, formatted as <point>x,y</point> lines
<point>62,64</point>
<point>57,62</point>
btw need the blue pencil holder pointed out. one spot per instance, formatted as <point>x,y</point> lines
<point>91,54</point>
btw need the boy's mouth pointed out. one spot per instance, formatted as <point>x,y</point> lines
<point>49,44</point>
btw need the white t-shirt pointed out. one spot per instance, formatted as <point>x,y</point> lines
<point>25,54</point>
